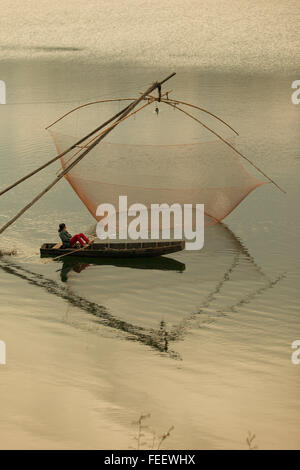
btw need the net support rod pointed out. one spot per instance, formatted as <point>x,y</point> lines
<point>87,143</point>
<point>127,113</point>
<point>204,111</point>
<point>120,113</point>
<point>49,162</point>
<point>196,107</point>
<point>65,171</point>
<point>227,143</point>
<point>89,104</point>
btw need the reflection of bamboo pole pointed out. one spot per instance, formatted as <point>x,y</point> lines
<point>127,113</point>
<point>225,142</point>
<point>145,336</point>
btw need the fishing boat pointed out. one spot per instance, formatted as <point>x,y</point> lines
<point>114,250</point>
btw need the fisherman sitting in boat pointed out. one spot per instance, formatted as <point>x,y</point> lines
<point>69,241</point>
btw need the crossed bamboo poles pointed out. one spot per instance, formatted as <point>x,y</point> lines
<point>125,113</point>
<point>122,115</point>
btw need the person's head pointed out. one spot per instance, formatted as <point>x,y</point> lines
<point>62,227</point>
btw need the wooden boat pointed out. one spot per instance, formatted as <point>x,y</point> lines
<point>115,250</point>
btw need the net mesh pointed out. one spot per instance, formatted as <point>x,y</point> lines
<point>149,160</point>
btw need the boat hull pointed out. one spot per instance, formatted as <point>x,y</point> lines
<point>115,250</point>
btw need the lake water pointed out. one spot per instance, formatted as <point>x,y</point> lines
<point>200,340</point>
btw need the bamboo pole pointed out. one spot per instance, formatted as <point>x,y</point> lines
<point>227,143</point>
<point>32,173</point>
<point>87,143</point>
<point>87,104</point>
<point>203,110</point>
<point>64,172</point>
<point>127,113</point>
<point>96,138</point>
<point>196,107</point>
<point>74,251</point>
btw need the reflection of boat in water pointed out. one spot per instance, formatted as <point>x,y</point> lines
<point>161,263</point>
<point>115,250</point>
<point>159,308</point>
<point>156,339</point>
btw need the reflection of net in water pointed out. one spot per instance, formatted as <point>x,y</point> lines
<point>215,291</point>
<point>155,165</point>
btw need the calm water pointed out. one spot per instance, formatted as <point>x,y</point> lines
<point>201,340</point>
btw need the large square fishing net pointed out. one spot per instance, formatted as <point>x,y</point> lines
<point>157,156</point>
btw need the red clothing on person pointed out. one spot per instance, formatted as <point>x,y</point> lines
<point>78,238</point>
